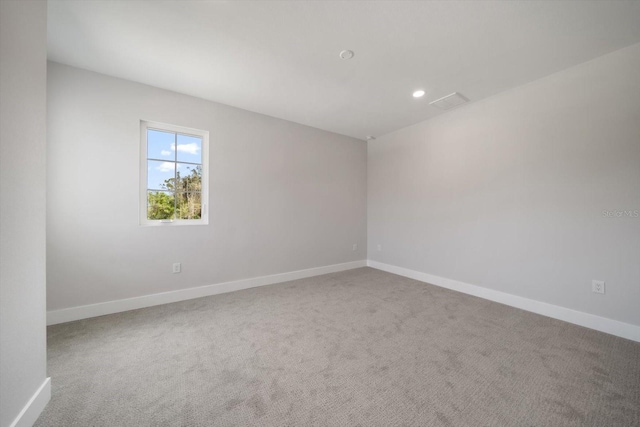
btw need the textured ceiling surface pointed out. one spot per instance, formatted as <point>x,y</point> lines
<point>281,58</point>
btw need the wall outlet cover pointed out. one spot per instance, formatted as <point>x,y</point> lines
<point>597,286</point>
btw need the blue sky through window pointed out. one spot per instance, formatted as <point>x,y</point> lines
<point>159,145</point>
<point>158,172</point>
<point>162,146</point>
<point>189,149</point>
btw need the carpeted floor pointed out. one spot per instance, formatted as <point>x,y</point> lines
<point>360,347</point>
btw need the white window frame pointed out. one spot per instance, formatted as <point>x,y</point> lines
<point>204,219</point>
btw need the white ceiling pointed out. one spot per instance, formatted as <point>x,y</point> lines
<point>281,58</point>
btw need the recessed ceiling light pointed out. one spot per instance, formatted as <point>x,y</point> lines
<point>346,54</point>
<point>418,94</point>
<point>370,137</point>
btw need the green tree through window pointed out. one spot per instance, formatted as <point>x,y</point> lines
<point>174,173</point>
<point>181,201</point>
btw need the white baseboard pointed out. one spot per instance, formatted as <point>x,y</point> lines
<point>34,407</point>
<point>602,324</point>
<point>93,310</point>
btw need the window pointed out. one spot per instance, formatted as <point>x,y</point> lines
<point>174,175</point>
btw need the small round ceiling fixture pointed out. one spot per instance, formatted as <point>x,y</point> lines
<point>346,54</point>
<point>370,137</point>
<point>418,94</point>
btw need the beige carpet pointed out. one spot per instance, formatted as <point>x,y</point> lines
<point>357,348</point>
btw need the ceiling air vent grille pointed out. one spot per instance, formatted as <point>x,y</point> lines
<point>450,101</point>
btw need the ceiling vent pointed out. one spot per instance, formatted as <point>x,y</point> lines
<point>450,101</point>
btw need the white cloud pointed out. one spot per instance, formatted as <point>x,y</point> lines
<point>165,167</point>
<point>165,152</point>
<point>191,148</point>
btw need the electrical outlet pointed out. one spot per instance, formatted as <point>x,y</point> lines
<point>379,248</point>
<point>597,286</point>
<point>355,246</point>
<point>177,267</point>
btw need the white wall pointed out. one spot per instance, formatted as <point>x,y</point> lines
<point>283,196</point>
<point>23,44</point>
<point>509,193</point>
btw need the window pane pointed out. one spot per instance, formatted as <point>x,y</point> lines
<point>160,175</point>
<point>189,149</point>
<point>160,145</point>
<point>160,205</point>
<point>189,177</point>
<point>188,206</point>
